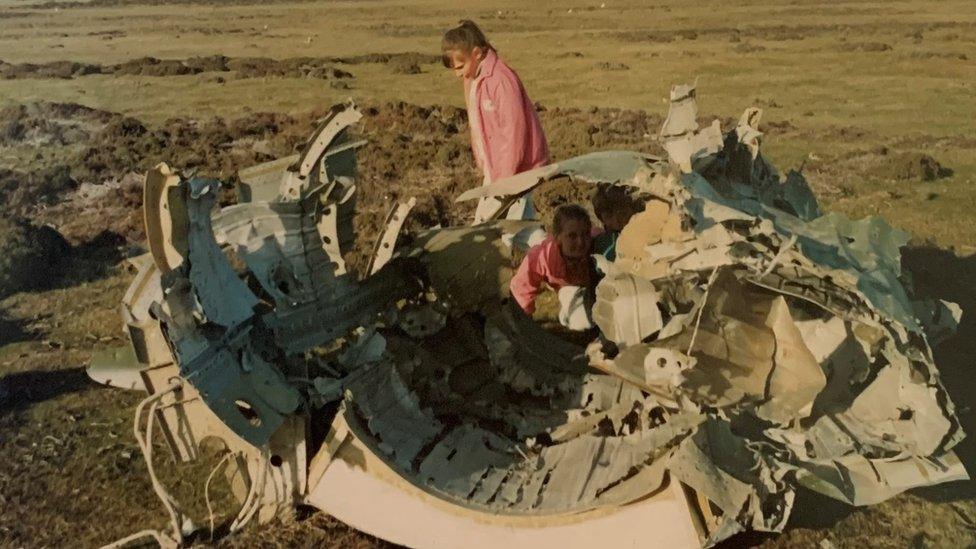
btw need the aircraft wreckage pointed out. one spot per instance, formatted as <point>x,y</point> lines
<point>748,345</point>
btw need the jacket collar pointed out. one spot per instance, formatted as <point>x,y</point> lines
<point>487,65</point>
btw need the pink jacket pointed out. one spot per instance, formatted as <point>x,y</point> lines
<point>545,263</point>
<point>506,134</point>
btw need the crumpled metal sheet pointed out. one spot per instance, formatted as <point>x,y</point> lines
<point>785,314</point>
<point>116,367</point>
<point>626,309</point>
<point>282,248</point>
<point>209,315</point>
<point>477,467</point>
<point>386,244</point>
<point>624,167</point>
<point>750,344</point>
<point>686,143</point>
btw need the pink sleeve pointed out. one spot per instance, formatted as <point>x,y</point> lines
<point>527,282</point>
<point>509,124</point>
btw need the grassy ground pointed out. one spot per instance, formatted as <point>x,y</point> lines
<point>846,74</point>
<point>849,89</point>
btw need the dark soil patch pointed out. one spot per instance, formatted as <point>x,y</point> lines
<point>404,67</point>
<point>553,194</point>
<point>210,63</point>
<point>399,63</point>
<point>864,46</point>
<point>939,55</point>
<point>419,151</point>
<point>54,69</point>
<point>612,66</point>
<point>748,47</point>
<point>150,66</point>
<point>46,124</point>
<point>881,162</point>
<point>21,193</point>
<point>298,67</point>
<point>245,67</point>
<point>30,256</point>
<point>914,166</point>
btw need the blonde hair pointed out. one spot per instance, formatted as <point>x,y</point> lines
<point>464,37</point>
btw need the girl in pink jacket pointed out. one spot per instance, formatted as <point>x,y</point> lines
<point>506,135</point>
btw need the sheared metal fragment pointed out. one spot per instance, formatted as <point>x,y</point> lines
<point>386,243</point>
<point>685,142</point>
<point>116,367</point>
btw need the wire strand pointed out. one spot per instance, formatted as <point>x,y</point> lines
<point>206,491</point>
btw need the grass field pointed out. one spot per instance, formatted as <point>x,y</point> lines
<point>856,92</point>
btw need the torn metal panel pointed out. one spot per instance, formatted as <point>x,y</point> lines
<point>939,318</point>
<point>510,186</point>
<point>386,244</point>
<point>223,296</point>
<point>116,367</point>
<point>281,246</point>
<point>748,132</point>
<point>721,466</point>
<point>393,413</point>
<point>626,309</point>
<point>857,480</point>
<point>145,336</point>
<point>685,142</point>
<point>164,214</point>
<point>361,490</point>
<point>682,115</point>
<point>329,150</point>
<point>624,167</point>
<point>898,412</point>
<point>236,382</point>
<point>324,321</point>
<point>798,194</point>
<point>262,183</point>
<point>469,267</point>
<point>796,379</point>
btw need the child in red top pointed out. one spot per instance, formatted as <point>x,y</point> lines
<point>506,134</point>
<point>563,262</point>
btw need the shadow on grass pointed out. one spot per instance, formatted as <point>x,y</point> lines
<point>15,330</point>
<point>86,262</point>
<point>21,390</point>
<point>92,260</point>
